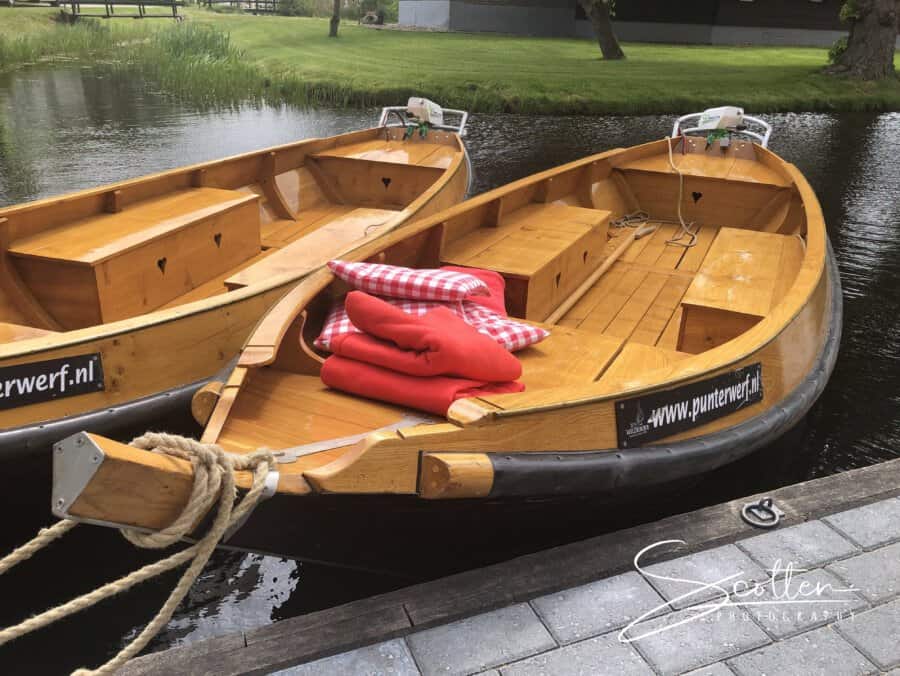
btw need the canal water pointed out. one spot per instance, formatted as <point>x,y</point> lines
<point>67,129</point>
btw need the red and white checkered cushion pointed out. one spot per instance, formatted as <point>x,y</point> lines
<point>509,333</point>
<point>393,281</point>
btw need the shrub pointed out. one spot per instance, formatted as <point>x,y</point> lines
<point>837,49</point>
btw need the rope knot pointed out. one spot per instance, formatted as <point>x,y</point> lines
<point>213,481</point>
<point>213,469</point>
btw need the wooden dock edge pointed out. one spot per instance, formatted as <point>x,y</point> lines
<point>408,610</point>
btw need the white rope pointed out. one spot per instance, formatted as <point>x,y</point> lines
<point>685,228</point>
<point>213,481</point>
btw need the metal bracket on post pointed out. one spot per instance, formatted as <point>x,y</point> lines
<point>76,460</point>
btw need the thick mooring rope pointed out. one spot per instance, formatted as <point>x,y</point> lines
<point>213,481</point>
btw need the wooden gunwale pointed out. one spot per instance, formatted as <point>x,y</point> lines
<point>72,338</point>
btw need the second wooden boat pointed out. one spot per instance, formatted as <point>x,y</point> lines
<point>669,355</point>
<point>117,303</point>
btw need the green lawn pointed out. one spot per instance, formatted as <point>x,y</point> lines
<point>483,72</point>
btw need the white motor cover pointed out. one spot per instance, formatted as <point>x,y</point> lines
<point>425,110</point>
<point>724,117</point>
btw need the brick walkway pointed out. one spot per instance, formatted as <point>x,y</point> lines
<point>847,563</point>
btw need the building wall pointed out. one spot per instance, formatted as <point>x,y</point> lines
<point>425,13</point>
<point>548,18</point>
<point>700,34</point>
<point>717,22</point>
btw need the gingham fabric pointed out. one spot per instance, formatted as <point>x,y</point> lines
<point>392,281</point>
<point>509,333</point>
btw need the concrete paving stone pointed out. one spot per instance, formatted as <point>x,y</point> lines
<point>704,568</point>
<point>480,642</point>
<point>597,608</point>
<point>790,605</point>
<point>390,658</point>
<point>876,574</point>
<point>691,638</point>
<point>876,633</point>
<point>822,652</point>
<point>870,525</point>
<point>717,669</point>
<point>595,656</point>
<point>806,545</point>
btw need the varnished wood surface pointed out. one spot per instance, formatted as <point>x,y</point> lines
<point>619,340</point>
<point>162,341</point>
<point>97,238</point>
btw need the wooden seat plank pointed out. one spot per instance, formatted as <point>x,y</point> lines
<point>326,241</point>
<point>411,151</point>
<point>636,359</point>
<point>94,239</point>
<point>738,273</point>
<point>282,232</point>
<point>567,357</point>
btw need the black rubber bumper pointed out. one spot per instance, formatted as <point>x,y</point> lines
<point>125,418</point>
<point>591,472</point>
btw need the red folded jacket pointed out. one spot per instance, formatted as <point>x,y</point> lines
<point>433,394</point>
<point>436,343</point>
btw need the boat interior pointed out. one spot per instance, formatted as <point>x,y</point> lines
<point>156,242</point>
<point>668,297</point>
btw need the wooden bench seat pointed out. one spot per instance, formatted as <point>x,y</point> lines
<point>325,242</point>
<point>744,275</point>
<point>566,357</point>
<point>116,265</point>
<point>411,151</point>
<point>97,238</point>
<point>543,251</point>
<point>282,232</point>
<point>636,359</point>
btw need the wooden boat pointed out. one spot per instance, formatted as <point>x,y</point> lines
<point>664,361</point>
<point>117,303</point>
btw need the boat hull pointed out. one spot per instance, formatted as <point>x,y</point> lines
<point>538,499</point>
<point>152,364</point>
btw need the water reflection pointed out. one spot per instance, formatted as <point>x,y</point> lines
<point>67,129</point>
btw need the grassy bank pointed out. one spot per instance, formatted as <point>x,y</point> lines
<point>292,60</point>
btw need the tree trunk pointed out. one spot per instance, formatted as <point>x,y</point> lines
<point>598,12</point>
<point>335,19</point>
<point>870,46</point>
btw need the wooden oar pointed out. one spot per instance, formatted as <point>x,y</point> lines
<point>576,296</point>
